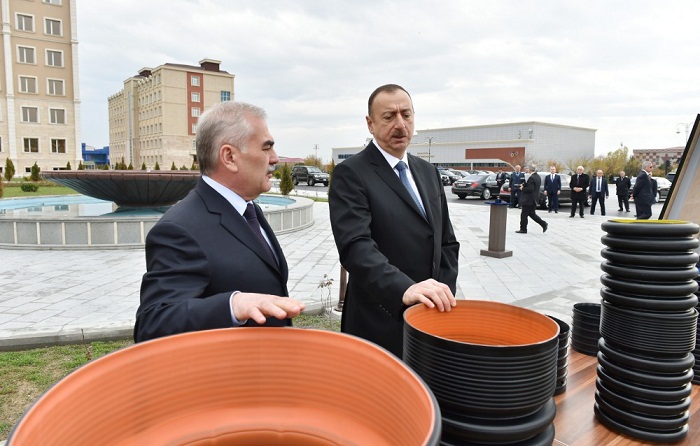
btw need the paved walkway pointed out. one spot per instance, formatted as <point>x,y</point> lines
<point>64,296</point>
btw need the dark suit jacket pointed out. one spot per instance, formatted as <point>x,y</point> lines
<point>623,186</point>
<point>198,253</point>
<point>552,186</point>
<point>386,244</point>
<point>603,187</point>
<point>516,179</point>
<point>643,189</point>
<point>579,181</point>
<point>531,190</point>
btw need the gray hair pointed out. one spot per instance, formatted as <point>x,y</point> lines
<point>646,164</point>
<point>224,123</point>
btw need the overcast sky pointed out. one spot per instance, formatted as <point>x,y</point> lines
<point>630,69</point>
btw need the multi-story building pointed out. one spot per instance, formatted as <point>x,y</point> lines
<point>154,118</point>
<point>661,158</point>
<point>497,146</point>
<point>39,95</point>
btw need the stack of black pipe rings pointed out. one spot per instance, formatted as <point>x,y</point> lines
<point>648,328</point>
<point>696,352</point>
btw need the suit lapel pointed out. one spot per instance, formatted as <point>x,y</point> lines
<point>236,225</point>
<point>387,174</point>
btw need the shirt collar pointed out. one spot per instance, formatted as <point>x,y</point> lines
<point>391,159</point>
<point>236,201</point>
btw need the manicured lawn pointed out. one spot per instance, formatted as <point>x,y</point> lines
<point>16,191</point>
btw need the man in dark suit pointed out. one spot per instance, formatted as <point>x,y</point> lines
<point>530,200</point>
<point>500,179</point>
<point>212,260</point>
<point>391,226</point>
<point>598,191</point>
<point>516,179</point>
<point>623,184</point>
<point>578,184</point>
<point>552,189</point>
<point>643,194</point>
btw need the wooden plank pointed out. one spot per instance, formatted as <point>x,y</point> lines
<point>576,424</point>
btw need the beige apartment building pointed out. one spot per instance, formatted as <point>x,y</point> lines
<point>39,95</point>
<point>154,118</point>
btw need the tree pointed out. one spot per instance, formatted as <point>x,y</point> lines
<point>143,166</point>
<point>131,166</point>
<point>286,183</point>
<point>173,166</point>
<point>194,166</point>
<point>157,166</point>
<point>68,166</point>
<point>312,160</point>
<point>183,167</point>
<point>330,168</point>
<point>35,172</point>
<point>9,169</point>
<point>81,166</point>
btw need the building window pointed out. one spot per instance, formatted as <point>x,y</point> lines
<point>195,97</point>
<point>58,146</point>
<point>52,27</point>
<point>55,87</point>
<point>57,116</point>
<point>27,84</point>
<point>195,112</point>
<point>25,54</point>
<point>194,81</point>
<point>30,114</point>
<point>225,96</point>
<point>54,58</point>
<point>31,145</point>
<point>25,23</point>
<point>52,2</point>
<point>194,129</point>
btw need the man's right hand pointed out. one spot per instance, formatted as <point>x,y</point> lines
<point>260,306</point>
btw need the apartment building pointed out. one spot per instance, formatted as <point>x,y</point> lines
<point>39,94</point>
<point>153,119</point>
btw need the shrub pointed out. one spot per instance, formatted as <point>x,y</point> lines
<point>173,166</point>
<point>143,166</point>
<point>286,183</point>
<point>35,173</point>
<point>68,166</point>
<point>81,166</point>
<point>9,169</point>
<point>29,187</point>
<point>157,167</point>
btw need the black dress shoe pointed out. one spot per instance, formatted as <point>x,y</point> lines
<point>619,210</point>
<point>602,214</point>
<point>627,210</point>
<point>544,228</point>
<point>521,232</point>
<point>549,211</point>
<point>582,216</point>
<point>572,216</point>
<point>556,212</point>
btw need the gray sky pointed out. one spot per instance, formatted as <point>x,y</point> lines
<point>630,69</point>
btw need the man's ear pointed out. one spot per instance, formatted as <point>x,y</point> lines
<point>369,124</point>
<point>228,157</point>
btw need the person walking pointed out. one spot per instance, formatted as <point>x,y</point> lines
<point>598,192</point>
<point>578,184</point>
<point>530,200</point>
<point>642,193</point>
<point>623,185</point>
<point>517,178</point>
<point>552,189</point>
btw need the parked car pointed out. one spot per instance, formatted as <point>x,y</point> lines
<point>309,174</point>
<point>483,186</point>
<point>564,196</point>
<point>448,177</point>
<point>663,187</point>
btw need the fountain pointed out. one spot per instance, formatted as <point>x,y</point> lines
<point>133,200</point>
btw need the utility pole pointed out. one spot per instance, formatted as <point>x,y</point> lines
<point>316,151</point>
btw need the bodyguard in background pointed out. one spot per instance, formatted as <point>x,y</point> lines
<point>578,184</point>
<point>643,194</point>
<point>623,184</point>
<point>598,192</point>
<point>530,200</point>
<point>552,189</point>
<point>517,178</point>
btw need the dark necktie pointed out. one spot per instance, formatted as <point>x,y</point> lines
<point>598,190</point>
<point>401,167</point>
<point>254,224</point>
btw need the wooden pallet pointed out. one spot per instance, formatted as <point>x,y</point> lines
<point>576,424</point>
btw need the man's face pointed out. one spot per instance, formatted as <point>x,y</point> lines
<point>391,121</point>
<point>553,169</point>
<point>622,174</point>
<point>599,173</point>
<point>649,167</point>
<point>579,170</point>
<point>256,164</point>
<point>517,168</point>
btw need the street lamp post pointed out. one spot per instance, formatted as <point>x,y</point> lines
<point>678,130</point>
<point>430,145</point>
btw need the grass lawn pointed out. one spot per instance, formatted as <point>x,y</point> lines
<point>26,375</point>
<point>44,189</point>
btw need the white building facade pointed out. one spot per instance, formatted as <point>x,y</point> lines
<point>497,146</point>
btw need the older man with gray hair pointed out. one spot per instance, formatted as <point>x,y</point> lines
<point>643,194</point>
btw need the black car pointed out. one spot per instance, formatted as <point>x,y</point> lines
<point>483,186</point>
<point>663,187</point>
<point>448,177</point>
<point>309,174</point>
